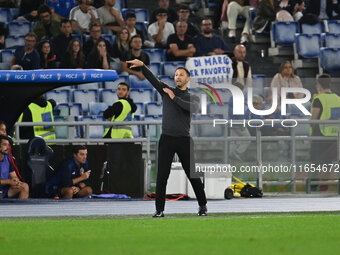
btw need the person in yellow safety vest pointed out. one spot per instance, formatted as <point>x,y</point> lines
<point>325,106</point>
<point>40,110</point>
<point>122,110</point>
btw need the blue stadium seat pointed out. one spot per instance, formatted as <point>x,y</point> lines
<point>13,13</point>
<point>331,40</point>
<point>136,83</point>
<point>137,130</point>
<point>97,108</point>
<point>156,55</point>
<point>334,26</point>
<point>84,97</point>
<point>284,32</point>
<point>96,131</point>
<point>169,68</point>
<point>214,109</point>
<point>5,66</point>
<point>61,96</point>
<point>61,110</point>
<point>120,4</point>
<point>108,96</point>
<point>114,84</point>
<point>13,41</point>
<point>156,68</point>
<point>207,130</point>
<point>141,14</point>
<point>153,108</point>
<point>329,59</point>
<point>308,45</point>
<point>91,85</point>
<point>143,26</point>
<point>167,80</point>
<point>4,15</point>
<point>79,37</point>
<point>62,7</point>
<point>318,28</point>
<point>258,83</point>
<point>141,95</point>
<point>19,28</point>
<point>79,132</point>
<point>153,128</point>
<point>224,94</point>
<point>140,109</point>
<point>7,56</point>
<point>292,110</point>
<point>60,131</point>
<point>76,109</point>
<point>110,38</point>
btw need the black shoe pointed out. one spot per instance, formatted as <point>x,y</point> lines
<point>202,211</point>
<point>158,214</point>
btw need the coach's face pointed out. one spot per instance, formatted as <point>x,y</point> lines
<point>4,147</point>
<point>80,157</point>
<point>181,78</point>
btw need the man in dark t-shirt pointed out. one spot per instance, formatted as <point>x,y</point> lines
<point>180,45</point>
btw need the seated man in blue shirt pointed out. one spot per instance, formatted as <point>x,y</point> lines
<point>207,43</point>
<point>27,56</point>
<point>11,185</point>
<point>71,176</point>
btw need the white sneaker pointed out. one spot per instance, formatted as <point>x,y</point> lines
<point>232,33</point>
<point>244,38</point>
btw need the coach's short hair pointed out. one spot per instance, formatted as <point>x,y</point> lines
<point>183,68</point>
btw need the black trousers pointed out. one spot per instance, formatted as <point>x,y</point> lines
<point>184,147</point>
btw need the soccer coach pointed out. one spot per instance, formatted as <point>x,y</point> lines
<point>178,105</point>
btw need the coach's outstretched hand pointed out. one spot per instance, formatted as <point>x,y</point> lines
<point>135,63</point>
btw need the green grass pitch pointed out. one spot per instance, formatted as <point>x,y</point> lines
<point>259,233</point>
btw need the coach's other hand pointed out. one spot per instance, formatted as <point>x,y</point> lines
<point>135,63</point>
<point>169,92</point>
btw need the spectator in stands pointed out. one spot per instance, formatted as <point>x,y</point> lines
<point>290,10</point>
<point>27,56</point>
<point>99,58</point>
<point>135,52</point>
<point>110,17</point>
<point>160,30</point>
<point>287,79</point>
<point>198,4</point>
<point>95,35</point>
<point>61,41</point>
<point>74,56</point>
<point>121,45</point>
<point>83,15</point>
<point>72,175</point>
<point>122,110</point>
<point>130,20</point>
<point>180,45</point>
<point>324,9</point>
<point>265,14</point>
<point>183,15</point>
<point>47,57</point>
<point>29,9</point>
<point>46,27</point>
<point>241,68</point>
<point>164,4</point>
<point>10,184</point>
<point>207,43</point>
<point>236,8</point>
